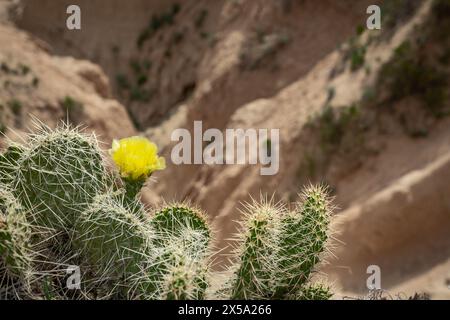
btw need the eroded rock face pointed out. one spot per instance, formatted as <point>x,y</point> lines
<point>149,54</point>
<point>38,86</point>
<point>403,229</point>
<point>222,54</point>
<point>35,84</point>
<point>389,158</point>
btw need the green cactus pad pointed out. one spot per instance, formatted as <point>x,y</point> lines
<point>59,176</point>
<point>253,277</point>
<point>303,236</point>
<point>15,254</point>
<point>186,278</point>
<point>183,237</point>
<point>180,220</point>
<point>113,241</point>
<point>9,163</point>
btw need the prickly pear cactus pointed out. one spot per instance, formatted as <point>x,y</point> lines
<point>61,208</point>
<point>278,249</point>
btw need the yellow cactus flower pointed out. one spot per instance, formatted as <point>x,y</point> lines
<point>136,157</point>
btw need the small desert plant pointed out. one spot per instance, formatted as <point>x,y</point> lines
<point>140,94</point>
<point>122,81</point>
<point>396,12</point>
<point>140,70</point>
<point>261,47</point>
<point>355,52</point>
<point>72,109</point>
<point>333,123</point>
<point>407,74</point>
<point>60,207</point>
<point>4,67</point>
<point>357,57</point>
<point>157,22</point>
<point>380,294</point>
<point>24,69</point>
<point>35,82</point>
<point>200,18</point>
<point>15,106</point>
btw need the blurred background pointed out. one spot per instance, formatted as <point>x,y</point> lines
<point>366,112</point>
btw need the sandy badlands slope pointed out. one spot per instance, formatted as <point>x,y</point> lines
<point>258,64</point>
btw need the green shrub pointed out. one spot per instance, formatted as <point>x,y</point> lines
<point>140,94</point>
<point>200,18</point>
<point>157,22</point>
<point>333,123</point>
<point>406,74</point>
<point>122,81</point>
